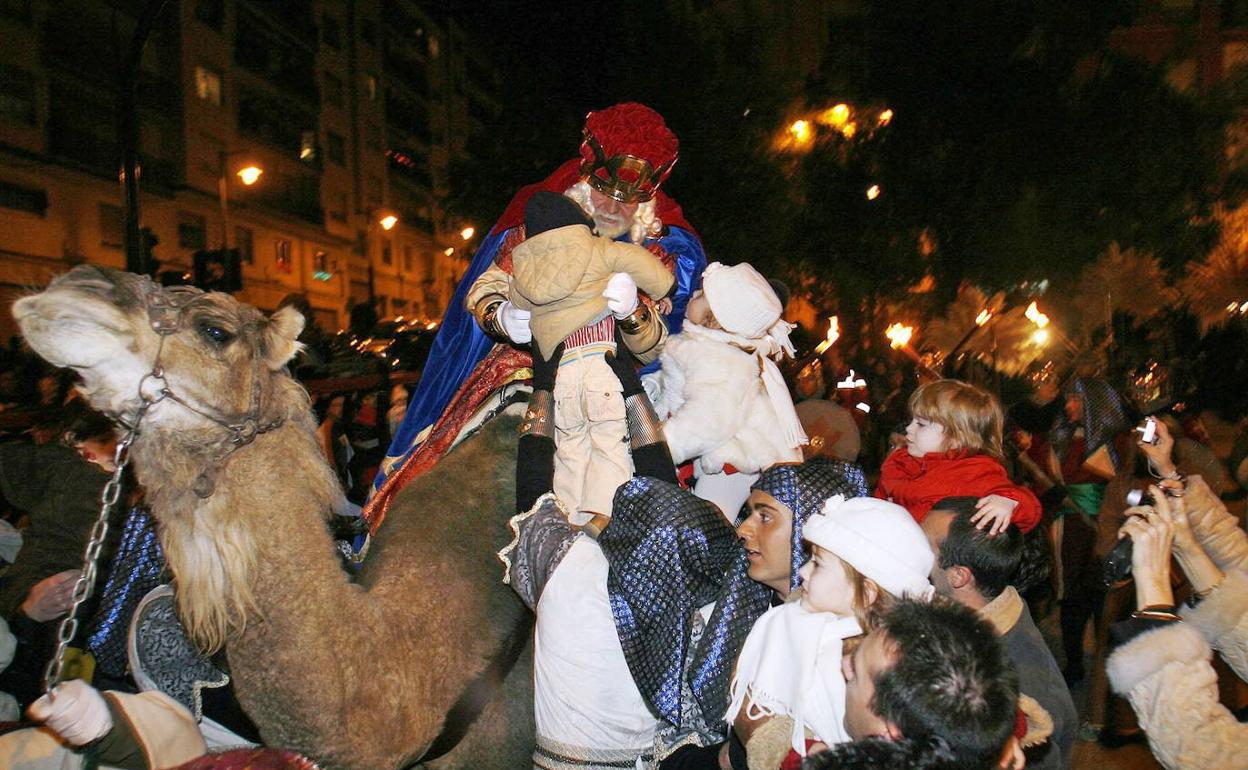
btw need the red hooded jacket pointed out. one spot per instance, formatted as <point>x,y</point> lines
<point>918,483</point>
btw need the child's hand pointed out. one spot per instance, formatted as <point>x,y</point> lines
<point>994,511</point>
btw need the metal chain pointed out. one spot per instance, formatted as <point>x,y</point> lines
<point>68,627</point>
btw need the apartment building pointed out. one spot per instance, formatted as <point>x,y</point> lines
<point>352,112</point>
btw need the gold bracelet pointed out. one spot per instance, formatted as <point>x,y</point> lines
<point>636,320</point>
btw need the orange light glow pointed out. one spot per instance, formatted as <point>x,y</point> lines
<point>899,335</point>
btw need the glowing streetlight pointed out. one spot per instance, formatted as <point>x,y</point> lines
<point>873,192</point>
<point>468,232</point>
<point>1040,336</point>
<point>836,116</point>
<point>885,118</point>
<point>984,317</point>
<point>1035,316</point>
<point>249,175</point>
<point>388,222</point>
<point>449,251</point>
<point>801,131</point>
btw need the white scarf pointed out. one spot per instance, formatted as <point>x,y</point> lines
<point>791,665</point>
<point>773,344</point>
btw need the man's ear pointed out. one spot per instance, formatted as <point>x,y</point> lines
<point>891,730</point>
<point>959,576</point>
<point>281,337</point>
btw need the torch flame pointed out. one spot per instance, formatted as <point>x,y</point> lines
<point>984,317</point>
<point>899,335</point>
<point>1035,316</point>
<point>834,333</point>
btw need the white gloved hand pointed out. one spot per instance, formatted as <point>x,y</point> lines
<point>515,322</point>
<point>621,294</point>
<point>76,711</point>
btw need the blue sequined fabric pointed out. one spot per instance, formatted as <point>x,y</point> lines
<point>671,553</point>
<point>1104,417</point>
<point>667,552</point>
<point>137,568</point>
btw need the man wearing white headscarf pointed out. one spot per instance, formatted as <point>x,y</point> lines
<point>723,401</point>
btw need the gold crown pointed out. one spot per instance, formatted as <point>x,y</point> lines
<point>626,178</point>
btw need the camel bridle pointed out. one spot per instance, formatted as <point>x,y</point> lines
<point>166,307</point>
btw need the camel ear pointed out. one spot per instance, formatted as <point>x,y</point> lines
<point>281,336</point>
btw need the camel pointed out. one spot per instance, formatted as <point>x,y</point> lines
<point>355,674</point>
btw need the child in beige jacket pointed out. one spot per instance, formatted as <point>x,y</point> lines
<point>578,286</point>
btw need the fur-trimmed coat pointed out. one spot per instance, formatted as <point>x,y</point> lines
<point>715,407</point>
<point>1167,676</point>
<point>1166,673</point>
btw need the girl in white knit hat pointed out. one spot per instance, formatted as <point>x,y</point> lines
<point>788,692</point>
<point>723,401</point>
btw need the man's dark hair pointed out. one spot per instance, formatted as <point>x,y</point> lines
<point>992,559</point>
<point>952,681</point>
<point>873,753</point>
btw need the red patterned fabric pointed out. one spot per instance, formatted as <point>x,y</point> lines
<point>251,759</point>
<point>918,483</point>
<point>504,364</point>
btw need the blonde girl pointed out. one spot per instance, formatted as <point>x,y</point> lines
<point>954,447</point>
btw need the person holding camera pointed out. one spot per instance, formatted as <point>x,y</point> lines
<point>1162,663</point>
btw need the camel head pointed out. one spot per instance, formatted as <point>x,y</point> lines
<point>111,326</point>
<point>222,362</point>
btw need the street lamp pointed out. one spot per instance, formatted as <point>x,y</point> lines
<point>248,175</point>
<point>388,222</point>
<point>468,232</point>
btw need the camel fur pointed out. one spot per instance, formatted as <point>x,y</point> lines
<point>357,675</point>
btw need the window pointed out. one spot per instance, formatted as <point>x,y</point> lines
<point>370,87</point>
<point>322,269</point>
<point>281,255</point>
<point>333,90</point>
<point>245,242</point>
<point>208,85</point>
<point>112,226</point>
<point>17,95</point>
<point>339,213</point>
<point>407,258</point>
<point>192,231</point>
<point>374,190</point>
<point>26,199</point>
<point>372,136</point>
<point>387,253</point>
<point>337,148</point>
<point>331,32</point>
<point>368,31</point>
<point>433,46</point>
<point>211,13</point>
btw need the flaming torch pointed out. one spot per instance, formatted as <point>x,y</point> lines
<point>834,334</point>
<point>899,337</point>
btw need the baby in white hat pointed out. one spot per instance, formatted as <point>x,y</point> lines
<point>866,554</point>
<point>723,401</point>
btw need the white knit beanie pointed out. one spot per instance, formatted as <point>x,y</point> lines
<point>741,299</point>
<point>879,539</point>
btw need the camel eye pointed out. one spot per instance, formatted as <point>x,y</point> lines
<point>216,335</point>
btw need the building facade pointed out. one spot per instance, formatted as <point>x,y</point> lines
<point>354,111</point>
